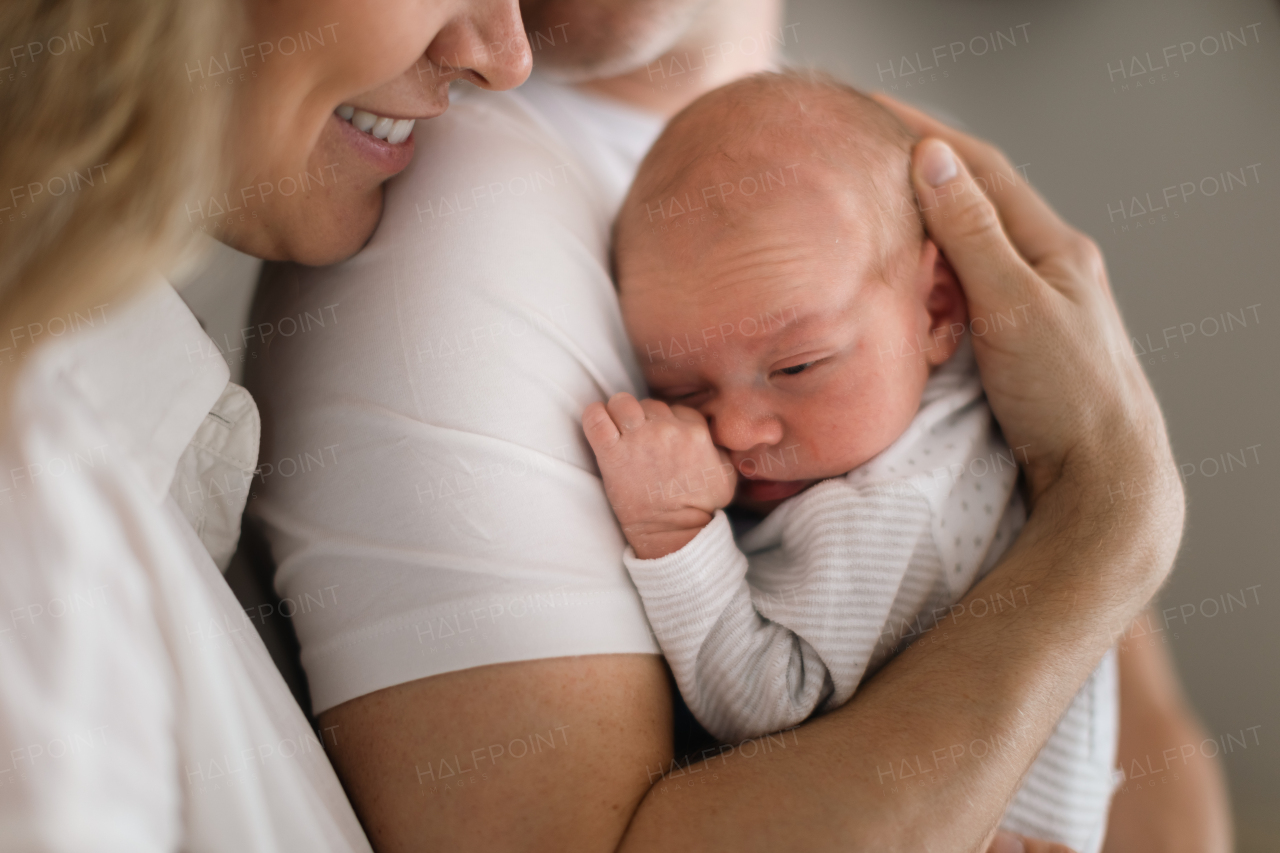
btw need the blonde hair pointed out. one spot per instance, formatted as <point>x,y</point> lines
<point>101,140</point>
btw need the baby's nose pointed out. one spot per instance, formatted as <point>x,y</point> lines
<point>735,428</point>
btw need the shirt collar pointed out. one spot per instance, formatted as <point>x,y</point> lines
<point>151,374</point>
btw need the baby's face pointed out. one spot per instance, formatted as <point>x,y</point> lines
<point>782,332</point>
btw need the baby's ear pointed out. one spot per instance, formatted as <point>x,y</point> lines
<point>945,305</point>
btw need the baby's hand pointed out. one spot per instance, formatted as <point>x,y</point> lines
<point>663,475</point>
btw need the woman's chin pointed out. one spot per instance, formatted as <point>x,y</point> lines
<point>316,232</point>
<point>343,231</point>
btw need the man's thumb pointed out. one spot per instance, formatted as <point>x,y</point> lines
<point>963,222</point>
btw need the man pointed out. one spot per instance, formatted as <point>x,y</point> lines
<point>485,664</point>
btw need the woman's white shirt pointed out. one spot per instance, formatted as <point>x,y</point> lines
<point>139,710</point>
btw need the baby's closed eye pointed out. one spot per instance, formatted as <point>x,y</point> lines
<point>682,394</point>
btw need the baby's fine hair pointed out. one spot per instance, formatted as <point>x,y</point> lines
<point>799,125</point>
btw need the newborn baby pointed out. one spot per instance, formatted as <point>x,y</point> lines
<point>805,347</point>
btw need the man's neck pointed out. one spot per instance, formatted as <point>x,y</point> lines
<point>732,39</point>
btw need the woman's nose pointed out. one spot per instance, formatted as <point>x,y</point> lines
<point>735,426</point>
<point>488,40</point>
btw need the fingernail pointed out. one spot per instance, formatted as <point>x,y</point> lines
<point>938,164</point>
<point>1007,843</point>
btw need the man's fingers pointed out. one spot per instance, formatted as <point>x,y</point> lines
<point>602,433</point>
<point>1034,227</point>
<point>1008,842</point>
<point>964,224</point>
<point>626,411</point>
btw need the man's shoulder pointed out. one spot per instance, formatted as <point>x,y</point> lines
<point>480,112</point>
<point>490,159</point>
<point>480,125</point>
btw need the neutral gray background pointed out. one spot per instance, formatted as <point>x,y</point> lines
<point>1054,102</point>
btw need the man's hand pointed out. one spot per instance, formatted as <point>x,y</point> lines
<point>1057,368</point>
<point>663,475</point>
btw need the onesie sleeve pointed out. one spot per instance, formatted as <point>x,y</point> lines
<point>757,645</point>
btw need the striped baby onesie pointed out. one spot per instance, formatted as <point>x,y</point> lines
<point>762,633</point>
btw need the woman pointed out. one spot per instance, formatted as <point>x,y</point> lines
<point>141,709</point>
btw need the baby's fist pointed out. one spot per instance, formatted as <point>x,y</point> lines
<point>664,476</point>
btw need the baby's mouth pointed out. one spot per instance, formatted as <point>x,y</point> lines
<point>393,130</point>
<point>762,491</point>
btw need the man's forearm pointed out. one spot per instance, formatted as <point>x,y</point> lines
<point>929,752</point>
<point>1180,804</point>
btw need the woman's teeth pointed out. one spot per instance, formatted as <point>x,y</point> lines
<point>393,130</point>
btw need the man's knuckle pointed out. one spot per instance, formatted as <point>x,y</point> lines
<point>1083,250</point>
<point>1084,257</point>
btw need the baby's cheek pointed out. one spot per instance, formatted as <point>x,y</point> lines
<point>898,368</point>
<point>875,409</point>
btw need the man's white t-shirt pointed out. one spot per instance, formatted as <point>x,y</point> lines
<point>421,402</point>
<point>139,709</point>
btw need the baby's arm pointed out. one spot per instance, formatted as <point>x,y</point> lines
<point>747,662</point>
<point>741,674</point>
<point>666,480</point>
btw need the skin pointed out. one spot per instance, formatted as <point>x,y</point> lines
<point>624,49</point>
<point>607,39</point>
<point>1158,730</point>
<point>813,394</point>
<point>617,707</point>
<point>394,59</point>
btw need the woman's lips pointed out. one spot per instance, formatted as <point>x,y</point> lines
<point>770,490</point>
<point>386,156</point>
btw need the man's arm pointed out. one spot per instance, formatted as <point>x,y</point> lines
<point>969,704</point>
<point>1183,805</point>
<point>551,754</point>
<point>925,756</point>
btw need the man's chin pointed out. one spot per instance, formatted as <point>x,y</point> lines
<point>611,41</point>
<point>585,65</point>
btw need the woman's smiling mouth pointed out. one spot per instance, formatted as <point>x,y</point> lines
<point>394,131</point>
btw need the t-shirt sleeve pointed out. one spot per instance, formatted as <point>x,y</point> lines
<point>423,459</point>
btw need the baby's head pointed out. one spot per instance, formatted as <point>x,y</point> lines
<point>774,274</point>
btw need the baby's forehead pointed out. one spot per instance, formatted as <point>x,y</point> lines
<point>768,263</point>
